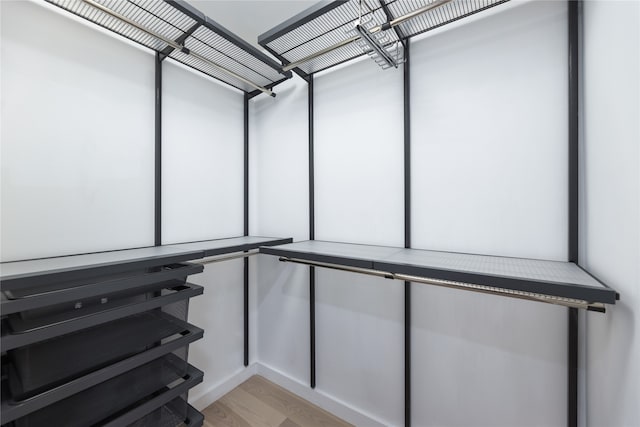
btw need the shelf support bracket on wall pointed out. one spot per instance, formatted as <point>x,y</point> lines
<point>573,24</point>
<point>312,236</point>
<point>158,153</point>
<point>407,229</point>
<point>246,230</point>
<point>179,41</point>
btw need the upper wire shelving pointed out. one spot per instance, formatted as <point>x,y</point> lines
<point>322,36</point>
<point>175,29</point>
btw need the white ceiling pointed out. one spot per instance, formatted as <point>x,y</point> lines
<point>250,18</point>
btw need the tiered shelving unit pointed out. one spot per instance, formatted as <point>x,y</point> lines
<point>103,339</point>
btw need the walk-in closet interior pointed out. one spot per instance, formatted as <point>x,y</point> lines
<point>320,213</point>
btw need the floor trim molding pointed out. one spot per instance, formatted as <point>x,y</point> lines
<point>317,397</point>
<point>223,387</point>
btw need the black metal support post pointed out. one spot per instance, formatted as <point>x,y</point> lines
<point>407,233</point>
<point>573,130</point>
<point>157,221</point>
<point>573,115</point>
<point>246,164</point>
<point>246,311</point>
<point>312,236</point>
<point>572,352</point>
<point>246,228</point>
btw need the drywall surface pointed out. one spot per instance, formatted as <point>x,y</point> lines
<point>359,199</point>
<point>279,165</point>
<point>202,157</point>
<point>489,135</point>
<point>359,155</point>
<point>281,301</point>
<point>279,206</point>
<point>77,136</point>
<point>489,175</point>
<point>219,311</point>
<point>610,199</point>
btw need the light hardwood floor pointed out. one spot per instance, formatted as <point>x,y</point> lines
<point>260,403</point>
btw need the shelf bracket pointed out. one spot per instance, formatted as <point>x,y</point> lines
<point>179,41</point>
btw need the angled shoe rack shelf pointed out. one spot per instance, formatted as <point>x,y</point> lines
<point>175,29</point>
<point>322,36</point>
<point>102,339</point>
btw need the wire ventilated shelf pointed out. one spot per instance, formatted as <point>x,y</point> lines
<point>306,40</point>
<point>201,37</point>
<point>438,17</point>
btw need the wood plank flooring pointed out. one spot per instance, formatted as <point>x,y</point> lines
<point>260,403</point>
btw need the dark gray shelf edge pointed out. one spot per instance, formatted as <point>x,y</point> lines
<point>313,256</point>
<point>145,280</point>
<point>556,289</point>
<point>594,295</point>
<point>103,269</point>
<point>242,247</point>
<point>77,273</point>
<point>246,247</point>
<point>599,281</point>
<point>11,341</point>
<point>15,410</point>
<point>194,377</point>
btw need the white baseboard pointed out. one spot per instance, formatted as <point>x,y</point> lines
<point>324,401</point>
<point>218,390</point>
<point>318,398</point>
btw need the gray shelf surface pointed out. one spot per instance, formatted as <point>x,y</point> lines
<point>129,258</point>
<point>361,256</point>
<point>554,278</point>
<point>235,244</point>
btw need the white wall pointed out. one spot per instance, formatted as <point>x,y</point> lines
<point>489,105</point>
<point>489,135</point>
<point>77,136</point>
<point>219,311</point>
<point>279,206</point>
<point>202,188</point>
<point>278,162</point>
<point>489,175</point>
<point>359,155</point>
<point>610,214</point>
<point>359,199</point>
<point>202,157</point>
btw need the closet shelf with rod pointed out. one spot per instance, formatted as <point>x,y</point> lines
<point>554,282</point>
<point>323,36</point>
<point>177,30</point>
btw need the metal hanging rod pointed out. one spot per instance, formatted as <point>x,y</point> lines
<point>213,260</point>
<point>529,296</point>
<point>175,45</point>
<point>373,30</point>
